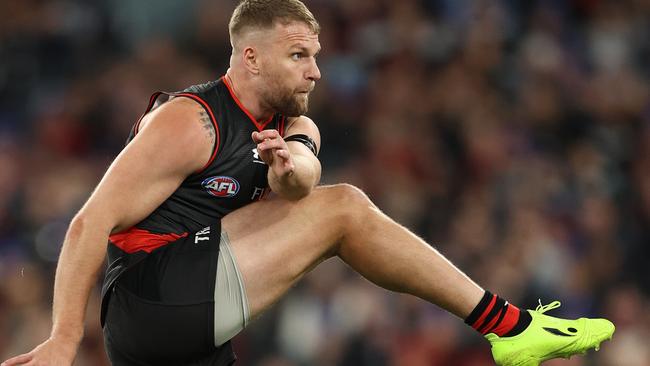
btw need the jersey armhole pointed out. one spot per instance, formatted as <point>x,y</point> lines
<point>196,98</point>
<point>152,101</point>
<point>215,124</point>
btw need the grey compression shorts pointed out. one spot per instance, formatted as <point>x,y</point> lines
<point>231,311</point>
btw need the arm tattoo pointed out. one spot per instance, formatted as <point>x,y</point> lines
<point>207,124</point>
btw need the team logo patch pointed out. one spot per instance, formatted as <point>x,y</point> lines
<point>221,186</point>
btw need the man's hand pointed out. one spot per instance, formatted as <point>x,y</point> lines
<point>274,152</point>
<point>52,352</point>
<point>294,169</point>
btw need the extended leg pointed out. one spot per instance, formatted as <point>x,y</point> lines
<point>275,242</point>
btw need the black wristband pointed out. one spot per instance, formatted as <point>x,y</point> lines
<point>305,140</point>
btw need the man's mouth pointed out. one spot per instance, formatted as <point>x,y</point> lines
<point>306,91</point>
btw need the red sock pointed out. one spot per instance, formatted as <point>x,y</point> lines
<point>495,315</point>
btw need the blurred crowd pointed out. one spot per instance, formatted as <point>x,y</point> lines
<point>514,136</point>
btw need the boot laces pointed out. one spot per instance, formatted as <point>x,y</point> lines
<point>544,308</point>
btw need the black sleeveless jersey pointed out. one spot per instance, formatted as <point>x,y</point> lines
<point>233,177</point>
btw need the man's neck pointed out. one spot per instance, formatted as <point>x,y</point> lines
<point>247,95</point>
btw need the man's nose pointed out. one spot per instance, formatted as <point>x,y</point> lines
<point>314,72</point>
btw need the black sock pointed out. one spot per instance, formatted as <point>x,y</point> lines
<point>495,315</point>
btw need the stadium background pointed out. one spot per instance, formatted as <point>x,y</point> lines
<point>514,135</point>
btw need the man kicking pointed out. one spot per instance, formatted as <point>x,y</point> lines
<point>197,248</point>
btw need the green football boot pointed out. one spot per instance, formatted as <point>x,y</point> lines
<point>547,337</point>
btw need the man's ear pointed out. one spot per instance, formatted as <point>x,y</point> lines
<point>250,57</point>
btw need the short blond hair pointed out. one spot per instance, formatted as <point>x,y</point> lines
<point>264,14</point>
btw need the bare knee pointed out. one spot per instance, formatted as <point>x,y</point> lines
<point>344,192</point>
<point>350,203</point>
<point>357,218</point>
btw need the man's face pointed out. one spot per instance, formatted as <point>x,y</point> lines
<point>288,68</point>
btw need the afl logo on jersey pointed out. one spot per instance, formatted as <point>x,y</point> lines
<point>221,186</point>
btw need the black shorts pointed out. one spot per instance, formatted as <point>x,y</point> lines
<point>160,311</point>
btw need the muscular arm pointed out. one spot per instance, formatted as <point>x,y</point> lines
<point>174,141</point>
<point>294,169</point>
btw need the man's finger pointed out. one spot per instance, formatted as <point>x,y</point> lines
<point>270,134</point>
<point>266,155</point>
<point>18,360</point>
<point>263,135</point>
<point>271,144</point>
<point>284,154</point>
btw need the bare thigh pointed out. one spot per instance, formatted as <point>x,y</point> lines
<point>275,241</point>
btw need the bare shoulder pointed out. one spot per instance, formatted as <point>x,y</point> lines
<point>300,121</point>
<point>171,144</point>
<point>177,112</point>
<point>303,125</point>
<point>185,126</point>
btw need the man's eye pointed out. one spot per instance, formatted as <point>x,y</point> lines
<point>296,56</point>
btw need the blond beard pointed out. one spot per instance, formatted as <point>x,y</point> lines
<point>283,101</point>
